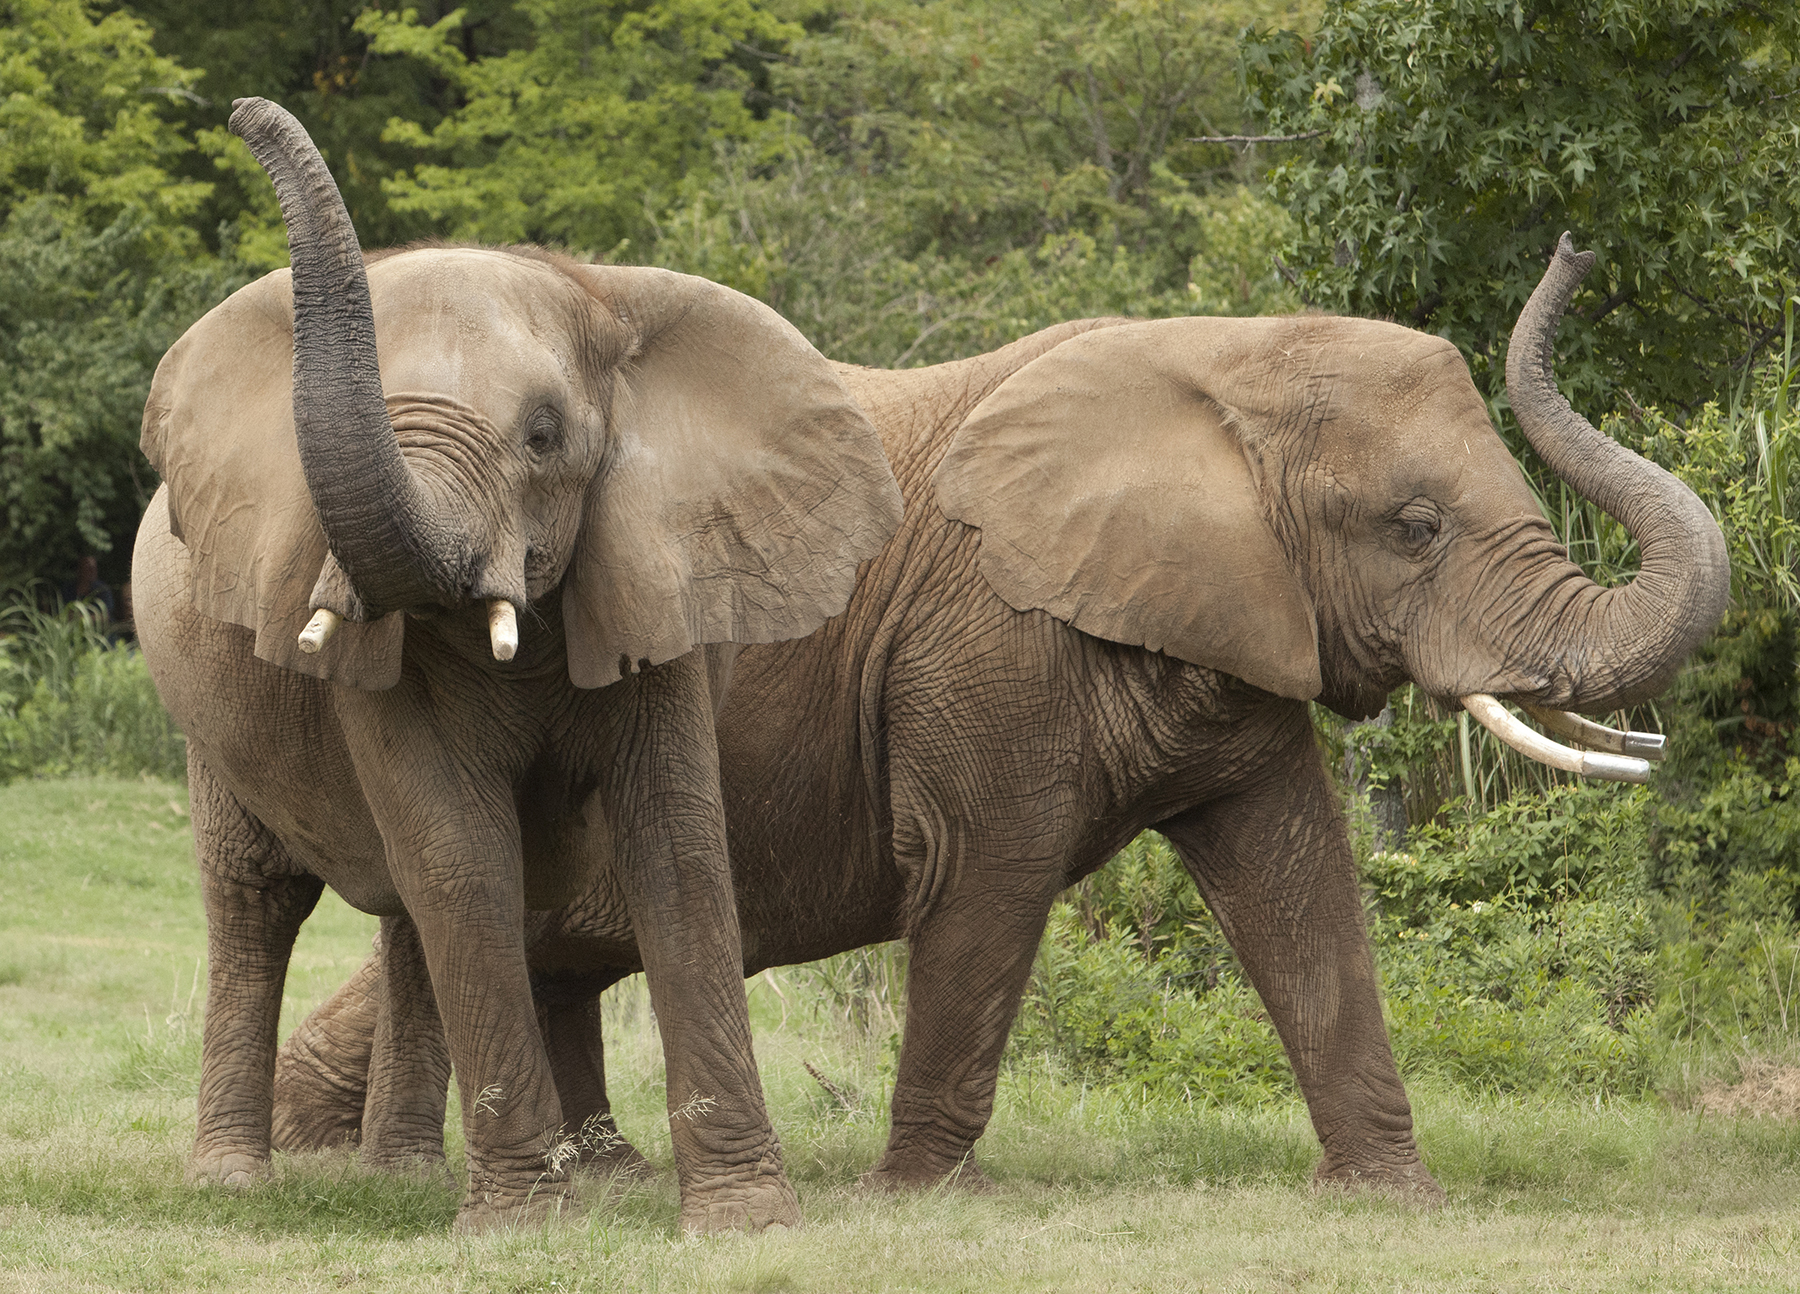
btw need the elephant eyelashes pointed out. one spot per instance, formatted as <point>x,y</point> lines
<point>1417,526</point>
<point>544,435</point>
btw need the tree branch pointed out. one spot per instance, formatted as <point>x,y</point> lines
<point>1609,305</point>
<point>1254,139</point>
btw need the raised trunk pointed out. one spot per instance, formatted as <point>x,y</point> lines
<point>1622,645</point>
<point>376,518</point>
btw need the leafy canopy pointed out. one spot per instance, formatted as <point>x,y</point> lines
<point>956,175</point>
<point>1459,138</point>
<point>99,271</point>
<point>572,137</point>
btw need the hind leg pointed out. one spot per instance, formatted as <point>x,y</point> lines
<point>256,898</point>
<point>322,1071</point>
<point>569,1015</point>
<point>409,1060</point>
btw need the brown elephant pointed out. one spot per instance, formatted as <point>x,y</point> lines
<point>1132,552</point>
<point>403,458</point>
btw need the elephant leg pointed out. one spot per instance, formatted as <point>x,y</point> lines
<point>469,921</point>
<point>569,1017</point>
<point>453,850</point>
<point>322,1071</point>
<point>256,899</point>
<point>669,842</point>
<point>409,1063</point>
<point>969,958</point>
<point>1275,866</point>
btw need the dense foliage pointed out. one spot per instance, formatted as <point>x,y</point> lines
<point>1458,138</point>
<point>98,275</point>
<point>71,701</point>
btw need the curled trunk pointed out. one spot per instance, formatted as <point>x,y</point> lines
<point>1622,645</point>
<point>376,518</point>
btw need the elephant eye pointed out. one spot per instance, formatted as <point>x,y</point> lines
<point>544,433</point>
<point>1417,524</point>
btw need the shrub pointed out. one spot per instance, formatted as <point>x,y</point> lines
<point>72,702</point>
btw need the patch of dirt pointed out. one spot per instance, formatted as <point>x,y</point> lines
<point>1768,1090</point>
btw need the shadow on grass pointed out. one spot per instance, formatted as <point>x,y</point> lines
<point>317,1196</point>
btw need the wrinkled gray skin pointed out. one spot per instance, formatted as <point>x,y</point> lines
<point>440,787</point>
<point>937,764</point>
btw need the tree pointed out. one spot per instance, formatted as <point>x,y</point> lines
<point>578,135</point>
<point>100,268</point>
<point>1458,138</point>
<point>312,58</point>
<point>958,175</point>
<point>997,123</point>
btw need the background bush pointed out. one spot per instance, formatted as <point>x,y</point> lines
<point>73,702</point>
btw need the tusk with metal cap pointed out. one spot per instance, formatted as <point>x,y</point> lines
<point>503,629</point>
<point>319,629</point>
<point>1498,720</point>
<point>1595,736</point>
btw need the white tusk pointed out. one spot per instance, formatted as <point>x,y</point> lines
<point>1498,720</point>
<point>1595,736</point>
<point>319,629</point>
<point>503,628</point>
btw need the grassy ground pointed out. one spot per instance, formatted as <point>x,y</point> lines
<point>101,940</point>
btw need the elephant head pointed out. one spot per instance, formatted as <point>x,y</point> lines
<point>437,427</point>
<point>1320,507</point>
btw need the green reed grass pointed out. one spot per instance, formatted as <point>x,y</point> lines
<point>73,701</point>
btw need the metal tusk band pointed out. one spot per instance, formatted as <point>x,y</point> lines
<point>1498,720</point>
<point>1595,736</point>
<point>503,629</point>
<point>319,629</point>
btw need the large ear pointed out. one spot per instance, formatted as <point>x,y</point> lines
<point>1112,490</point>
<point>219,427</point>
<point>742,486</point>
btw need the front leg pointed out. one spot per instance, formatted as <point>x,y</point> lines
<point>451,834</point>
<point>256,899</point>
<point>660,792</point>
<point>1275,866</point>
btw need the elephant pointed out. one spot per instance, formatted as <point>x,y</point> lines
<point>443,535</point>
<point>1133,552</point>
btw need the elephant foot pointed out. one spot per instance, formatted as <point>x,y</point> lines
<point>896,1173</point>
<point>617,1158</point>
<point>489,1212</point>
<point>1408,1183</point>
<point>764,1201</point>
<point>424,1164</point>
<point>915,1168</point>
<point>233,1169</point>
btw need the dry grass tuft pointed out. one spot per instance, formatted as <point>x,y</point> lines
<point>1768,1089</point>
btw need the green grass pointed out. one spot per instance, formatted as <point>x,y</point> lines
<point>101,938</point>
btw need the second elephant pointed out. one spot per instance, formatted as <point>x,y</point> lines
<point>1132,552</point>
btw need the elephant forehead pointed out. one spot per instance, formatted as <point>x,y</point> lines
<point>475,324</point>
<point>1408,422</point>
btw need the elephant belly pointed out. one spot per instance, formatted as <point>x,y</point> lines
<point>268,735</point>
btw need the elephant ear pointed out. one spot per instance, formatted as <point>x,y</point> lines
<point>1112,488</point>
<point>742,486</point>
<point>219,427</point>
